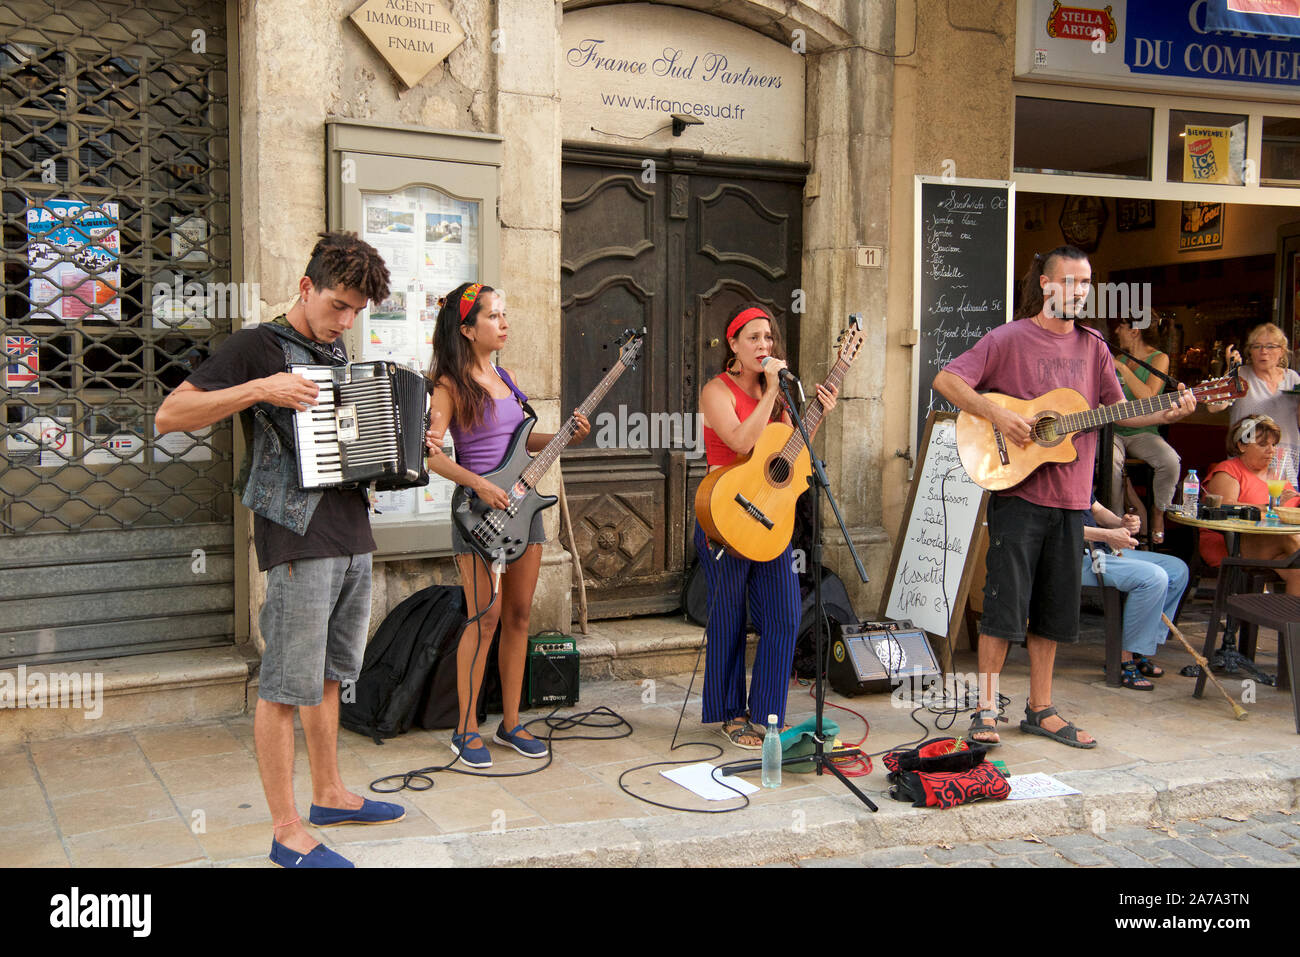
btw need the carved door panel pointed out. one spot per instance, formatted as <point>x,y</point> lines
<point>745,244</point>
<point>657,254</point>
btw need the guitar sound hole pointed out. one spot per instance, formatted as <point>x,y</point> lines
<point>778,470</point>
<point>1045,430</point>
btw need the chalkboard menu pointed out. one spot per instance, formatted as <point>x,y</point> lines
<point>962,277</point>
<point>928,574</point>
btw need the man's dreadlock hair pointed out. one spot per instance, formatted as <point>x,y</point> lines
<point>344,261</point>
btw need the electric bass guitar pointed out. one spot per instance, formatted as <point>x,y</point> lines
<point>995,463</point>
<point>501,535</point>
<point>749,505</point>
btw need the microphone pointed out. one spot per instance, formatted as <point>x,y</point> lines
<point>788,376</point>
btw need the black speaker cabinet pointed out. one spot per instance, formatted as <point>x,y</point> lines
<point>552,675</point>
<point>870,657</point>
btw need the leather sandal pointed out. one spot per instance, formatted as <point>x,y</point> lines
<point>1147,666</point>
<point>1033,724</point>
<point>977,725</point>
<point>738,728</point>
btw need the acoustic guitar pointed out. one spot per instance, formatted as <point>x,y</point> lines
<point>748,506</point>
<point>501,535</point>
<point>996,463</point>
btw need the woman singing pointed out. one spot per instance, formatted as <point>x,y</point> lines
<point>482,406</point>
<point>736,406</point>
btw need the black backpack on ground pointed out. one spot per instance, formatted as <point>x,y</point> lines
<point>411,644</point>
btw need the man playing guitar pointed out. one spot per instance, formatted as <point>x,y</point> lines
<point>1036,528</point>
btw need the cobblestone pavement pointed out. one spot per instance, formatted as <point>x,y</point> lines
<point>1265,839</point>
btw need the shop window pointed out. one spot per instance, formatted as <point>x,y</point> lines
<point>1280,163</point>
<point>1065,138</point>
<point>1206,148</point>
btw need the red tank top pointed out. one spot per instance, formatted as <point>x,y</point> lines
<point>716,451</point>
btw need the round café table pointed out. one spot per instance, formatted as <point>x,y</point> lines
<point>1232,528</point>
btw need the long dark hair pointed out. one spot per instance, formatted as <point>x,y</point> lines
<point>778,344</point>
<point>453,358</point>
<point>1031,292</point>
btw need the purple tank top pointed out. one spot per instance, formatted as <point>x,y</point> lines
<point>481,450</point>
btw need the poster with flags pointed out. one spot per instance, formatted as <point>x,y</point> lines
<point>22,364</point>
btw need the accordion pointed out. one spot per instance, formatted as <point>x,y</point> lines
<point>368,425</point>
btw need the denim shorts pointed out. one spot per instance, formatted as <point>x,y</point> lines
<point>314,621</point>
<point>459,546</point>
<point>1035,568</point>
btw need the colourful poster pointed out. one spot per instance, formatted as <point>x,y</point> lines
<point>74,255</point>
<point>1201,227</point>
<point>1206,155</point>
<point>22,364</point>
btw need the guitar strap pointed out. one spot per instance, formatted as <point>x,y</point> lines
<point>518,393</point>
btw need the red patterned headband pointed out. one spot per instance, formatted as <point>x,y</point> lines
<point>739,322</point>
<point>468,298</point>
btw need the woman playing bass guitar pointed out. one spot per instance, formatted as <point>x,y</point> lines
<point>482,406</point>
<point>736,406</point>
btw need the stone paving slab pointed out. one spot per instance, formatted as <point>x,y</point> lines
<point>151,782</point>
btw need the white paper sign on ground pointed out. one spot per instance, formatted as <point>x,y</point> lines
<point>698,778</point>
<point>1025,787</point>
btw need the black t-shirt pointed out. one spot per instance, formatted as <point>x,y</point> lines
<point>341,523</point>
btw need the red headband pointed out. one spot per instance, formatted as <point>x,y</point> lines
<point>468,298</point>
<point>747,315</point>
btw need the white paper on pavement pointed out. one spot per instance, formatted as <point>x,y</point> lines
<point>698,778</point>
<point>1026,786</point>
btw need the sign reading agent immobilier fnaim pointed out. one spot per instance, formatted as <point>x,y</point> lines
<point>413,36</point>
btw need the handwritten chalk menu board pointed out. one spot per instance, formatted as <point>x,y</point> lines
<point>962,276</point>
<point>928,575</point>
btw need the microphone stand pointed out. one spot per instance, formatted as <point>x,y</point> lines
<point>820,758</point>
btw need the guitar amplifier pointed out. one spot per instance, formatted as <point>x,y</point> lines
<point>869,657</point>
<point>551,671</point>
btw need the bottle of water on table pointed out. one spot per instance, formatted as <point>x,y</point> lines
<point>1191,494</point>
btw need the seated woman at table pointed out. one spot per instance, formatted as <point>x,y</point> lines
<point>1242,480</point>
<point>1152,581</point>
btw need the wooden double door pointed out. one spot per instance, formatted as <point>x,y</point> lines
<point>670,243</point>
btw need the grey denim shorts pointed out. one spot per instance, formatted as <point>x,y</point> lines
<point>314,621</point>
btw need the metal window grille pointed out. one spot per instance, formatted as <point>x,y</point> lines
<point>112,114</point>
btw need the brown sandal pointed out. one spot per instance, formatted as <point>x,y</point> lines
<point>738,728</point>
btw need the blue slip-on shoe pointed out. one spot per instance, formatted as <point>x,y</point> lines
<point>479,757</point>
<point>318,856</point>
<point>370,812</point>
<point>528,747</point>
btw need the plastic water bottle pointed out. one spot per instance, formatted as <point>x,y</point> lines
<point>772,754</point>
<point>1191,494</point>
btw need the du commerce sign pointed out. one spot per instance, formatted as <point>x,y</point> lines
<point>625,69</point>
<point>1153,44</point>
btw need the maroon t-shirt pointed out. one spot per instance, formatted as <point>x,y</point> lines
<point>1023,360</point>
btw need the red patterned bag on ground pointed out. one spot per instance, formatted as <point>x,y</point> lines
<point>933,775</point>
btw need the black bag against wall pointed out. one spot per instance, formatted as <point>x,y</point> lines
<point>393,686</point>
<point>441,707</point>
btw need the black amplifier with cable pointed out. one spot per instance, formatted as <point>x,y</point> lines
<point>551,670</point>
<point>872,656</point>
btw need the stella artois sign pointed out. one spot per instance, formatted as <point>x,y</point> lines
<point>1081,23</point>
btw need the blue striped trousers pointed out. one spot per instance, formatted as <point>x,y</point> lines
<point>771,590</point>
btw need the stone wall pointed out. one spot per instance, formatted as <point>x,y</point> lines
<point>953,100</point>
<point>300,70</point>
